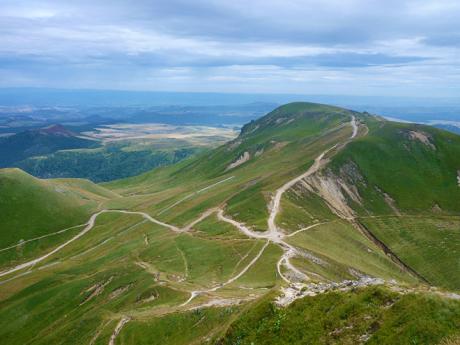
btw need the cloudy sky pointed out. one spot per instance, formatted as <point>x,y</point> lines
<point>357,47</point>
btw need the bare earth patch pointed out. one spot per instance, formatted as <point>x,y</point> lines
<point>117,292</point>
<point>96,290</point>
<point>422,137</point>
<point>241,159</point>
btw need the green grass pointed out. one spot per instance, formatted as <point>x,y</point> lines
<point>32,207</point>
<point>300,209</point>
<point>211,261</point>
<point>419,177</point>
<point>250,207</point>
<point>430,245</point>
<point>178,328</point>
<point>30,250</point>
<point>212,227</point>
<point>263,273</point>
<point>62,288</point>
<point>343,318</point>
<point>86,187</point>
<point>148,271</point>
<point>342,247</point>
<point>45,296</point>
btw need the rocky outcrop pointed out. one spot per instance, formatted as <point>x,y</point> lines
<point>241,159</point>
<point>423,137</point>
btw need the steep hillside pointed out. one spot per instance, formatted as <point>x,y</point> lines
<point>370,316</point>
<point>399,185</point>
<point>298,123</point>
<point>293,232</point>
<point>270,150</point>
<point>412,172</point>
<point>32,208</point>
<point>416,166</point>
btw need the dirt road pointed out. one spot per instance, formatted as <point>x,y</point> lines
<point>273,234</point>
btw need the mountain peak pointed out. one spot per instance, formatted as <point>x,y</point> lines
<point>294,115</point>
<point>56,129</point>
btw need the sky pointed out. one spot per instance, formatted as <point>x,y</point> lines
<point>408,48</point>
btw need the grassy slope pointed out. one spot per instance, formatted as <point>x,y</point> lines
<point>196,327</point>
<point>32,208</point>
<point>299,210</point>
<point>345,318</point>
<point>422,180</point>
<point>150,261</point>
<point>211,227</point>
<point>348,318</point>
<point>287,140</point>
<point>429,244</point>
<point>340,246</point>
<point>109,255</point>
<point>415,175</point>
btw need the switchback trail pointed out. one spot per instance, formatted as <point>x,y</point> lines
<point>273,234</point>
<point>88,227</point>
<point>195,293</point>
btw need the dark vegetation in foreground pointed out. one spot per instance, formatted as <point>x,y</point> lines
<point>371,316</point>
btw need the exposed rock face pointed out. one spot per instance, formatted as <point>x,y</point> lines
<point>338,190</point>
<point>299,290</point>
<point>241,159</point>
<point>259,152</point>
<point>422,137</point>
<point>332,188</point>
<point>117,292</point>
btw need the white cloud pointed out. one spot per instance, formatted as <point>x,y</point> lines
<point>348,46</point>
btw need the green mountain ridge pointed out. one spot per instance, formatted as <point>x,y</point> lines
<point>20,146</point>
<point>33,208</point>
<point>190,246</point>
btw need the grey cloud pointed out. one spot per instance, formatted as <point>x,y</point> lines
<point>183,42</point>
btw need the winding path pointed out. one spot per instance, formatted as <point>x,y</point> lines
<point>318,163</point>
<point>22,242</point>
<point>195,293</point>
<point>273,234</point>
<point>88,227</point>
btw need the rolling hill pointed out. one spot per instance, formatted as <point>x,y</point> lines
<point>34,209</point>
<point>400,183</point>
<point>316,225</point>
<point>108,152</point>
<point>35,142</point>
